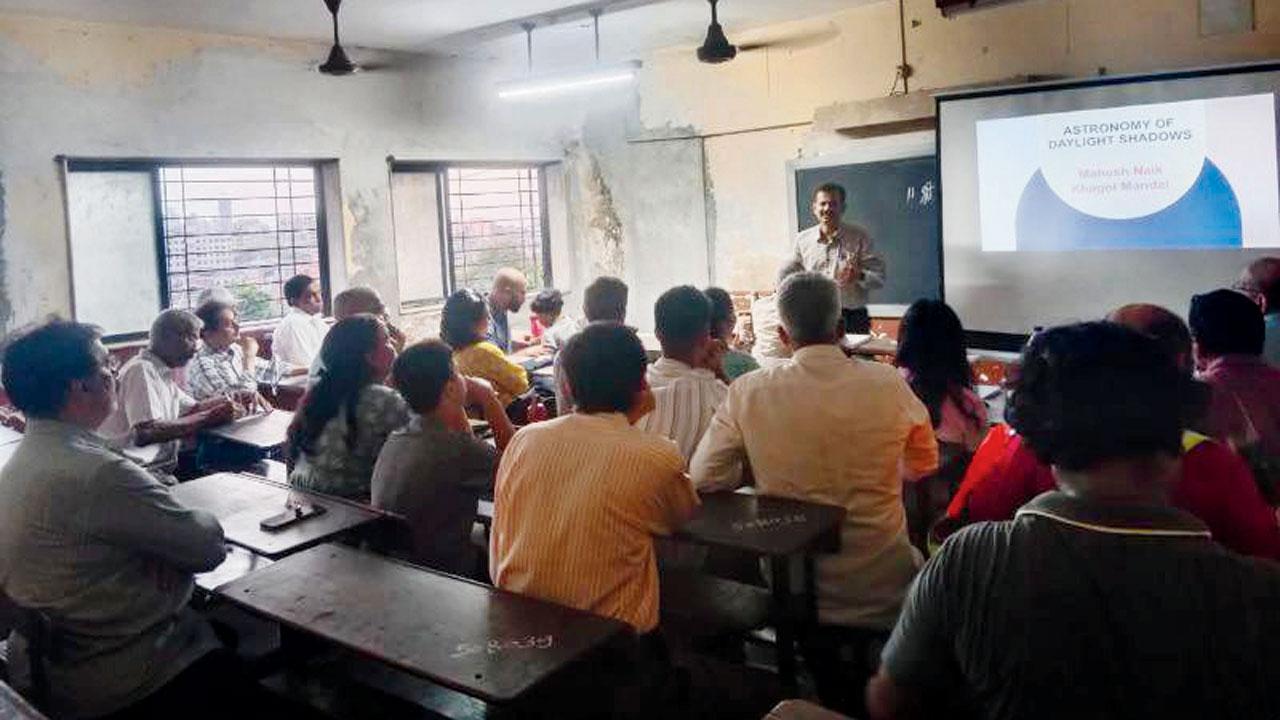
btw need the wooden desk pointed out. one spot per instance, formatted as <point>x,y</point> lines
<point>14,707</point>
<point>241,501</point>
<point>870,346</point>
<point>802,710</point>
<point>239,562</point>
<point>285,394</point>
<point>483,642</point>
<point>267,431</point>
<point>6,451</point>
<point>783,530</point>
<point>9,435</point>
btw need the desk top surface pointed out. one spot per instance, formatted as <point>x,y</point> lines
<point>14,707</point>
<point>241,502</point>
<point>6,451</point>
<point>764,525</point>
<point>239,562</point>
<point>267,431</point>
<point>484,642</point>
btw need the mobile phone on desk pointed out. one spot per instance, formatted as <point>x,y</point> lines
<point>290,516</point>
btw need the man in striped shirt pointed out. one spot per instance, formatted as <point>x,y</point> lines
<point>227,362</point>
<point>579,499</point>
<point>685,387</point>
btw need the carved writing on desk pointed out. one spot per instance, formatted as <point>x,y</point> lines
<point>493,647</point>
<point>770,523</point>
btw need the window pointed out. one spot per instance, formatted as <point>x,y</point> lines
<point>495,220</point>
<point>457,225</point>
<point>247,229</point>
<point>174,230</point>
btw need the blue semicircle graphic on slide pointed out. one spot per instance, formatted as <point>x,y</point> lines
<point>1207,216</point>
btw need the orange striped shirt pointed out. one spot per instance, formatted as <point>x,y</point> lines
<point>577,502</point>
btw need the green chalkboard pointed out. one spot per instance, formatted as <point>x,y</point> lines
<point>897,201</point>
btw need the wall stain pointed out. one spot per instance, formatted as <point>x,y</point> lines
<point>6,308</point>
<point>598,214</point>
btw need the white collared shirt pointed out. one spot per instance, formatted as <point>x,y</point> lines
<point>824,428</point>
<point>148,389</point>
<point>297,339</point>
<point>685,399</point>
<point>769,349</point>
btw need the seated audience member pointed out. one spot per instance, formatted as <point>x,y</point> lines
<point>1215,484</point>
<point>557,328</point>
<point>604,300</point>
<point>580,498</point>
<point>506,296</point>
<point>723,321</point>
<point>1100,600</point>
<point>433,471</point>
<point>217,293</point>
<point>1229,334</point>
<point>933,358</point>
<point>227,362</point>
<point>344,420</point>
<point>1261,281</point>
<point>296,340</point>
<point>96,544</point>
<point>464,326</point>
<point>686,389</point>
<point>359,300</point>
<point>829,429</point>
<point>768,350</point>
<point>152,408</point>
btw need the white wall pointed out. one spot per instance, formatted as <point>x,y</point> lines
<point>756,111</point>
<point>655,211</point>
<point>95,90</point>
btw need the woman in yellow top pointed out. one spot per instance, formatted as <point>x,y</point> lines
<point>463,325</point>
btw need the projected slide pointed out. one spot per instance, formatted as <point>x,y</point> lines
<point>1198,174</point>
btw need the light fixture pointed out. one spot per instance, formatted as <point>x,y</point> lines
<point>571,82</point>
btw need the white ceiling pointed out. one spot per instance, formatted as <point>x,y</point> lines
<point>469,27</point>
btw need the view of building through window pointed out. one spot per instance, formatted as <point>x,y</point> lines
<point>247,229</point>
<point>495,221</point>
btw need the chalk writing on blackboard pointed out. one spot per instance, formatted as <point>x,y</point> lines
<point>495,646</point>
<point>769,523</point>
<point>922,196</point>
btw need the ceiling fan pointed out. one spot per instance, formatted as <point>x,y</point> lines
<point>717,48</point>
<point>339,63</point>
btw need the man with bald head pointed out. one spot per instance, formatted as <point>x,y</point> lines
<point>506,296</point>
<point>153,409</point>
<point>359,300</point>
<point>1261,281</point>
<point>1161,325</point>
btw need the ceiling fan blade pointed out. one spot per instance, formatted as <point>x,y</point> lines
<point>800,41</point>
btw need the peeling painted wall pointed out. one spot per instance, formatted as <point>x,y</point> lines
<point>756,111</point>
<point>99,90</point>
<point>665,183</point>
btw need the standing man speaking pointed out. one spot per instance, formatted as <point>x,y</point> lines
<point>843,252</point>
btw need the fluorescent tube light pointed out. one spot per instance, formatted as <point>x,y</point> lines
<point>564,84</point>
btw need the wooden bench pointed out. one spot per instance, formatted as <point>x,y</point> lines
<point>802,710</point>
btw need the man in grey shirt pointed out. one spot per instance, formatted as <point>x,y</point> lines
<point>433,471</point>
<point>95,542</point>
<point>841,251</point>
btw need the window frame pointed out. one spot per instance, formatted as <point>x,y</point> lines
<point>153,166</point>
<point>440,169</point>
